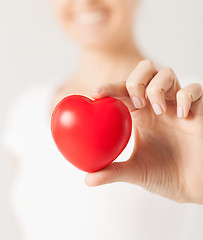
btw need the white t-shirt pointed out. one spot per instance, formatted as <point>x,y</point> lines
<point>51,201</point>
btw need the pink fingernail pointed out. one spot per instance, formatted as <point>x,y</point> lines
<point>180,112</point>
<point>157,108</point>
<point>137,102</point>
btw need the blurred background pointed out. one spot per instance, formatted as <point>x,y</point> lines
<point>33,48</point>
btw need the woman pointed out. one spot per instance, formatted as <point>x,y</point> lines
<point>51,200</point>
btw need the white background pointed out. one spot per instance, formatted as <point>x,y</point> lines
<point>34,49</point>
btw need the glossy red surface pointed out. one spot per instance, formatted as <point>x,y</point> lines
<point>91,133</point>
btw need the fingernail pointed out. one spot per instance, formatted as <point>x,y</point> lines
<point>97,90</point>
<point>180,112</point>
<point>137,102</point>
<point>157,108</point>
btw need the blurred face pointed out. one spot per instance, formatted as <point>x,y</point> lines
<point>97,23</point>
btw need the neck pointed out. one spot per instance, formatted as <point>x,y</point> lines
<point>100,66</point>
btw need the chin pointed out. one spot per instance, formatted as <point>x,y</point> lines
<point>100,37</point>
<point>94,42</point>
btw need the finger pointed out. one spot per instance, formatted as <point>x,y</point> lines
<point>186,96</point>
<point>115,172</point>
<point>117,90</point>
<point>138,80</point>
<point>163,86</point>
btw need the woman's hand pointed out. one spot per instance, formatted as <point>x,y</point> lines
<point>168,128</point>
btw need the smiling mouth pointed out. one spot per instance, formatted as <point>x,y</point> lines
<point>90,18</point>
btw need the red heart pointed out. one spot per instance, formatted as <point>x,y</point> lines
<point>91,134</point>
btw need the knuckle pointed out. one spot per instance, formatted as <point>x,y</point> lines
<point>130,84</point>
<point>168,71</point>
<point>199,86</point>
<point>184,95</point>
<point>134,86</point>
<point>146,62</point>
<point>153,91</point>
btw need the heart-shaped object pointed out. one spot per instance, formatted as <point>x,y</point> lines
<point>91,134</point>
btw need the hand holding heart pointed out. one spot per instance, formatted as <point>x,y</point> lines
<point>168,127</point>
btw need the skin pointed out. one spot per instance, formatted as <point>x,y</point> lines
<point>168,124</point>
<point>168,156</point>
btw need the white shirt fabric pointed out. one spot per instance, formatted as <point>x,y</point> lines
<point>51,201</point>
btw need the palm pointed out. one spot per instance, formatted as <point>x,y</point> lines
<point>160,147</point>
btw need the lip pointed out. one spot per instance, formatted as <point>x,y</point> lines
<point>90,18</point>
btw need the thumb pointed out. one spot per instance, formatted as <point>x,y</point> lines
<point>114,172</point>
<point>128,171</point>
